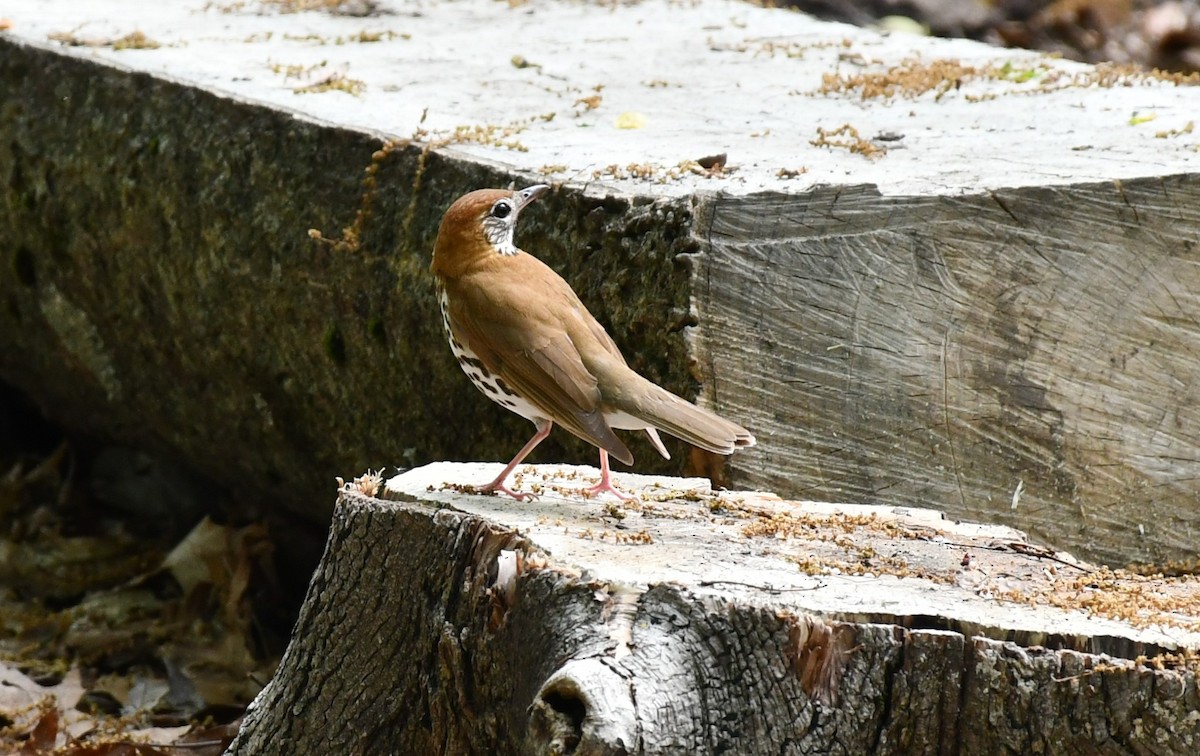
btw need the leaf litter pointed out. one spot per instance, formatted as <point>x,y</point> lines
<point>113,642</point>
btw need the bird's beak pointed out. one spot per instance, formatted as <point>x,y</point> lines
<point>529,194</point>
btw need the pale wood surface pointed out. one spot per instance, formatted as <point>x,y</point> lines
<point>441,622</point>
<point>544,88</point>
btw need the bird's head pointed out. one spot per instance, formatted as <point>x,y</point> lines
<point>480,223</point>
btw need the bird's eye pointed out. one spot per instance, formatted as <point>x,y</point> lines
<point>501,209</point>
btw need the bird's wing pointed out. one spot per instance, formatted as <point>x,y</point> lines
<point>521,343</point>
<point>603,338</point>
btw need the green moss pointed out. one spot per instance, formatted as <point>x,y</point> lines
<point>376,330</point>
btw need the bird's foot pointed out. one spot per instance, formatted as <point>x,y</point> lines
<point>500,488</point>
<point>605,486</point>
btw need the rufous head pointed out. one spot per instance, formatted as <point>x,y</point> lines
<point>480,223</point>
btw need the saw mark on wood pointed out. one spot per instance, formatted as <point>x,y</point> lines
<point>1004,206</point>
<point>1120,187</point>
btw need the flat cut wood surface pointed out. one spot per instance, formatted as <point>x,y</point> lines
<point>863,563</point>
<point>617,97</point>
<point>690,622</point>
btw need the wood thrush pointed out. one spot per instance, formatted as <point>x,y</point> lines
<point>525,340</point>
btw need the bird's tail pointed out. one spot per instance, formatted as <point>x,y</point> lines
<point>686,421</point>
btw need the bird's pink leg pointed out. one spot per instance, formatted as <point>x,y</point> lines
<point>543,430</point>
<point>605,483</point>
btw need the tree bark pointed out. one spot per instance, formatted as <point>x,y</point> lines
<point>447,623</point>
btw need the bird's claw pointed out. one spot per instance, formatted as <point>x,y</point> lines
<point>607,486</point>
<point>522,496</point>
<point>500,488</point>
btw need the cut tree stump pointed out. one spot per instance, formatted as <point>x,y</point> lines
<point>694,622</point>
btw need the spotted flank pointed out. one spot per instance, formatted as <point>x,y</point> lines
<point>492,386</point>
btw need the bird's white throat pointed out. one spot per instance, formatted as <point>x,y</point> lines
<point>499,233</point>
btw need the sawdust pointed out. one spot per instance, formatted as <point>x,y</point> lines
<point>913,78</point>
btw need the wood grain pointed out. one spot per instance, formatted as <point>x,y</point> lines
<point>944,351</point>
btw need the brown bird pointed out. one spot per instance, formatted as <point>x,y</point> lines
<point>526,341</point>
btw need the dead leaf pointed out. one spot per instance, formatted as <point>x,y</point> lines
<point>215,739</point>
<point>17,690</point>
<point>182,696</point>
<point>116,749</point>
<point>69,690</point>
<point>145,695</point>
<point>198,558</point>
<point>163,735</point>
<point>44,734</point>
